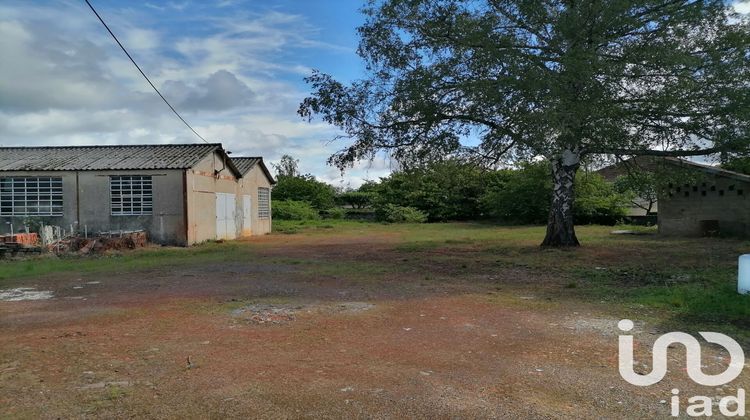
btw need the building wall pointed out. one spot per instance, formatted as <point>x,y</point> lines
<point>207,178</point>
<point>249,185</point>
<point>711,198</point>
<point>203,182</point>
<point>70,203</point>
<point>87,206</point>
<point>184,202</point>
<point>165,225</point>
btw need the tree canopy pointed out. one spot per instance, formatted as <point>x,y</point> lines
<point>562,79</point>
<point>287,166</point>
<point>304,188</point>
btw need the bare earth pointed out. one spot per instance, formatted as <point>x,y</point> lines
<point>271,339</point>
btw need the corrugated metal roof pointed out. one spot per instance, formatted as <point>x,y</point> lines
<point>245,164</point>
<point>716,170</point>
<point>649,163</point>
<point>99,158</point>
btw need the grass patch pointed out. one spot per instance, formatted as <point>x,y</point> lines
<point>115,392</point>
<point>127,261</point>
<point>697,296</point>
<point>311,226</point>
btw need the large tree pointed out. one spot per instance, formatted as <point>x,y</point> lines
<point>287,166</point>
<point>562,79</point>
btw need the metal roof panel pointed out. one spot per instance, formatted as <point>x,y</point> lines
<point>99,158</point>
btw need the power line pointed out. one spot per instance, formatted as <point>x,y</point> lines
<point>142,73</point>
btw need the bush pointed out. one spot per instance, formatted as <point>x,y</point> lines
<point>304,188</point>
<point>356,199</point>
<point>523,196</point>
<point>519,196</point>
<point>397,214</point>
<point>360,214</point>
<point>597,202</point>
<point>447,190</point>
<point>294,210</point>
<point>335,213</point>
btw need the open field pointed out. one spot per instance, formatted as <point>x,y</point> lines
<point>346,319</point>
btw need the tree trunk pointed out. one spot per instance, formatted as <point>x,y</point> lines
<point>560,229</point>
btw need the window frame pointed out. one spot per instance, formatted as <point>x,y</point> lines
<point>264,203</point>
<point>139,194</point>
<point>31,192</point>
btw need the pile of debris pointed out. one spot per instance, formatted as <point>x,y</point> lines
<point>100,242</point>
<point>16,243</point>
<point>57,240</point>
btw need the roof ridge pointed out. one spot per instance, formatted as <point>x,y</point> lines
<point>105,146</point>
<point>713,168</point>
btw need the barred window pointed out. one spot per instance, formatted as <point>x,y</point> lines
<point>264,203</point>
<point>131,195</point>
<point>31,196</point>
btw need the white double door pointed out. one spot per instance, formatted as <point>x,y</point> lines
<point>226,208</point>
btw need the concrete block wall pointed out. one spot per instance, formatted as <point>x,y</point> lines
<point>87,205</point>
<point>710,197</point>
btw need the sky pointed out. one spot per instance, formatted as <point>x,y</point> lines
<point>233,68</point>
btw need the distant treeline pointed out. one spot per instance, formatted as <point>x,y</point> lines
<point>450,190</point>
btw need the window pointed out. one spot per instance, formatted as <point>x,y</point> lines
<point>264,203</point>
<point>131,195</point>
<point>31,196</point>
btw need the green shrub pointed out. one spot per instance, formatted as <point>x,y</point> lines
<point>304,188</point>
<point>397,214</point>
<point>519,196</point>
<point>356,199</point>
<point>334,213</point>
<point>523,196</point>
<point>597,202</point>
<point>294,210</point>
<point>448,190</point>
<point>360,214</point>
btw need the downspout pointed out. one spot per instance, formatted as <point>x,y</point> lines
<point>78,202</point>
<point>185,207</point>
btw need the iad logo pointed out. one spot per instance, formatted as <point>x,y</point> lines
<point>702,406</point>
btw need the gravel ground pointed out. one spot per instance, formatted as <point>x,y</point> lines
<point>255,339</point>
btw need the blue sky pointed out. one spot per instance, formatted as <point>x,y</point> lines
<point>233,68</point>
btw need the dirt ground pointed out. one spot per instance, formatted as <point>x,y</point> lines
<point>269,336</point>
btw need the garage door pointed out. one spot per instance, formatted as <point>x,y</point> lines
<point>225,208</point>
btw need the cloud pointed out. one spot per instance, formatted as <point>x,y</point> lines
<point>235,77</point>
<point>49,70</point>
<point>220,91</point>
<point>742,7</point>
<point>141,39</point>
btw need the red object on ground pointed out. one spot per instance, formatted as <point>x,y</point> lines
<point>21,238</point>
